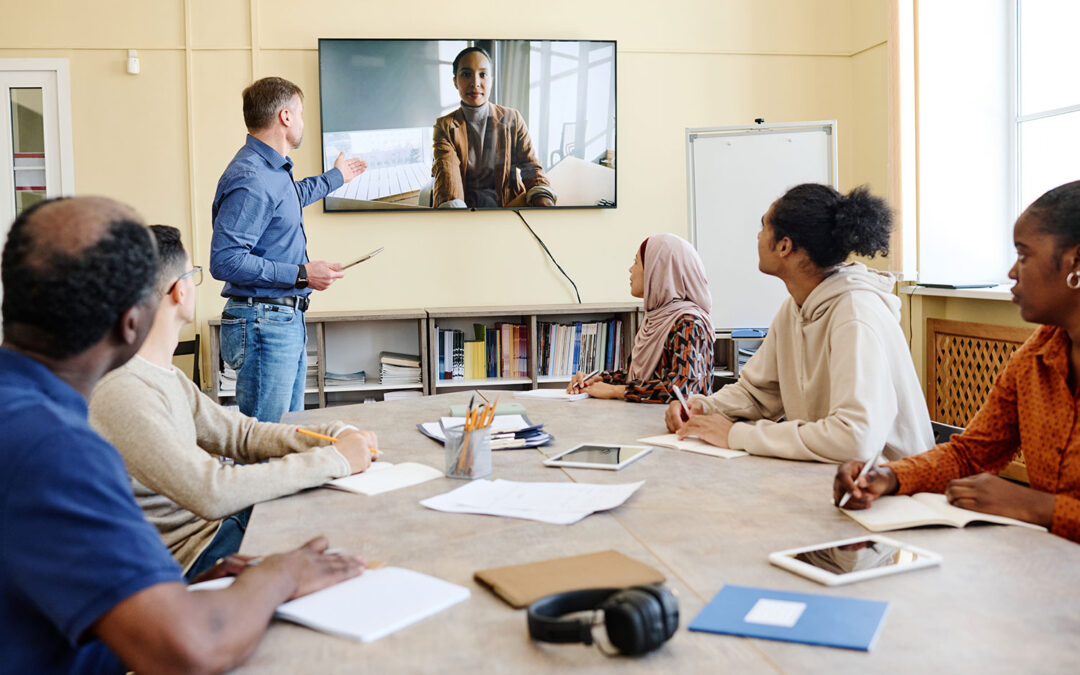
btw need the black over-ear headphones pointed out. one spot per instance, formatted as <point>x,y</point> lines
<point>638,619</point>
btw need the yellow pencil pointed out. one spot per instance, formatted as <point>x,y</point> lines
<point>324,437</point>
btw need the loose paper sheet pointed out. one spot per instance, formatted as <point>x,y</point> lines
<point>556,503</point>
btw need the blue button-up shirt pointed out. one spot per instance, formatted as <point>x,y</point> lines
<point>73,542</point>
<point>259,240</point>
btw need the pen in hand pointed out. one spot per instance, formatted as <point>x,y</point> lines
<point>682,402</point>
<point>862,472</point>
<point>324,437</point>
<point>581,384</point>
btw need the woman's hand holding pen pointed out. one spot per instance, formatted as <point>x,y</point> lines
<point>358,447</point>
<point>579,380</point>
<point>863,489</point>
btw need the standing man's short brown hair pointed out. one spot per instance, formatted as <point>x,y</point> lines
<point>265,98</point>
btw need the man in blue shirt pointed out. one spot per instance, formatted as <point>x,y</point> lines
<point>259,249</point>
<point>86,584</point>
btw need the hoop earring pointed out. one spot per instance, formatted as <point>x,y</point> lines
<point>1073,280</point>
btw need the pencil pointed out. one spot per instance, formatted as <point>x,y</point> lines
<point>324,437</point>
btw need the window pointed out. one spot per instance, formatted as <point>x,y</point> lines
<point>1047,97</point>
<point>999,124</point>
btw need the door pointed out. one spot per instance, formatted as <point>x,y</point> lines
<point>35,135</point>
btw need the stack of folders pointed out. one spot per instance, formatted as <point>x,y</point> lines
<point>399,369</point>
<point>501,351</point>
<point>312,381</point>
<point>359,377</point>
<point>228,380</point>
<point>565,349</point>
<point>747,351</point>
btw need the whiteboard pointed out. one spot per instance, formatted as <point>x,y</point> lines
<point>734,174</point>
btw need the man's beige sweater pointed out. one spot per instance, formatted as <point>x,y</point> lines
<point>171,436</point>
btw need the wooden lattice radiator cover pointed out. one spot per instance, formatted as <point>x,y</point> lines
<point>962,361</point>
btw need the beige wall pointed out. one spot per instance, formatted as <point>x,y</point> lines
<point>160,140</point>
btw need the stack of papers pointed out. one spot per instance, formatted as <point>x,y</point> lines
<point>367,607</point>
<point>508,432</point>
<point>358,377</point>
<point>555,503</point>
<point>550,394</point>
<point>691,444</point>
<point>383,477</point>
<point>399,369</point>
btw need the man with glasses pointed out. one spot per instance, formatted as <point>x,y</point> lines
<point>171,436</point>
<point>259,249</point>
<point>86,583</point>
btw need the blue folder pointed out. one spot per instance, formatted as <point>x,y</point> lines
<point>850,623</point>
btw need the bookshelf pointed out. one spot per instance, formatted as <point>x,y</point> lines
<point>346,342</point>
<point>726,350</point>
<point>529,316</point>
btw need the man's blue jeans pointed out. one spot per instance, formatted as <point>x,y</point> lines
<point>267,347</point>
<point>226,541</point>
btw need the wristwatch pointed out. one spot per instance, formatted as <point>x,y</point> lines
<point>301,277</point>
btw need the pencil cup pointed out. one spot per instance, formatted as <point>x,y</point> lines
<point>468,453</point>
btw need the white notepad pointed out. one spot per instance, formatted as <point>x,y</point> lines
<point>691,445</point>
<point>383,477</point>
<point>367,607</point>
<point>498,423</point>
<point>550,394</point>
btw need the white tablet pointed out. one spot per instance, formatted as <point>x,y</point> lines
<point>849,560</point>
<point>611,456</point>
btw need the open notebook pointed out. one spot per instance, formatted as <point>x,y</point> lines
<point>924,508</point>
<point>691,445</point>
<point>383,477</point>
<point>367,607</point>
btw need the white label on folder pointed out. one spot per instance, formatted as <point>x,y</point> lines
<point>775,612</point>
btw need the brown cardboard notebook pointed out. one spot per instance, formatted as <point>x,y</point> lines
<point>520,585</point>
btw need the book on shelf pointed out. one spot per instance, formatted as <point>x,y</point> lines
<point>485,352</point>
<point>396,359</point>
<point>567,348</point>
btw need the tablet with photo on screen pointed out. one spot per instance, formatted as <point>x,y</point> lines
<point>610,456</point>
<point>850,560</point>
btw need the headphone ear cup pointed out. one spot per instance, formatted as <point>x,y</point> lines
<point>669,608</point>
<point>634,621</point>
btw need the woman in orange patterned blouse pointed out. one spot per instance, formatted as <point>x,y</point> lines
<point>1033,405</point>
<point>674,345</point>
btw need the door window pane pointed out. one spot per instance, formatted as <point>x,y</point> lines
<point>28,144</point>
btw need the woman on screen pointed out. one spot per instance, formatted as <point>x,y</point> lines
<point>483,153</point>
<point>833,379</point>
<point>674,346</point>
<point>1032,404</point>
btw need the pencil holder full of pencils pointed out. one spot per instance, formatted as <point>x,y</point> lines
<point>468,452</point>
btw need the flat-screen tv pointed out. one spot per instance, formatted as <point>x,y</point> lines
<point>519,124</point>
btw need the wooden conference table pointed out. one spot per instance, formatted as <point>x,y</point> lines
<point>1005,600</point>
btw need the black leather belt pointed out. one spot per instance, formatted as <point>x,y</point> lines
<point>300,302</point>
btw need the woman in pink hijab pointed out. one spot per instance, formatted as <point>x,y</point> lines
<point>674,345</point>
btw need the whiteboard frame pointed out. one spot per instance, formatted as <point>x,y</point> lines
<point>827,126</point>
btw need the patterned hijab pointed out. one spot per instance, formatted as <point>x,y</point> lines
<point>675,284</point>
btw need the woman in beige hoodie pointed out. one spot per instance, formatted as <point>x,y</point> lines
<point>833,379</point>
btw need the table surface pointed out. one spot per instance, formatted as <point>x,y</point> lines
<point>1005,599</point>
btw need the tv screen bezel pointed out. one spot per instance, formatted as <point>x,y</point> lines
<point>421,209</point>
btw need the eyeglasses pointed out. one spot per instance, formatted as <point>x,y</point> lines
<point>195,273</point>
